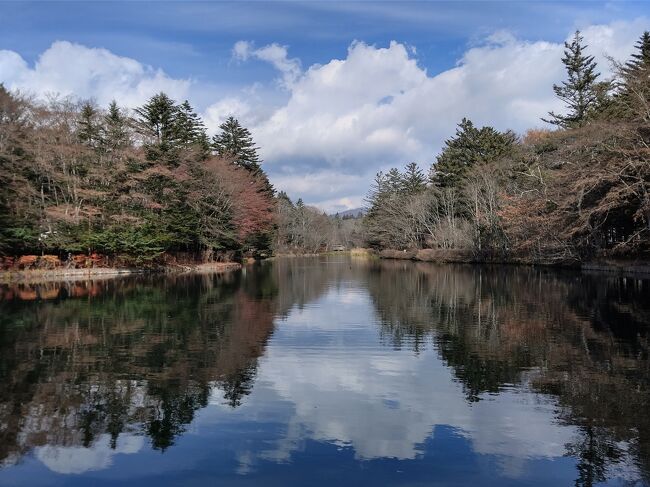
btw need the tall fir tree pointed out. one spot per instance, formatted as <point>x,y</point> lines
<point>640,60</point>
<point>470,146</point>
<point>88,127</point>
<point>393,180</point>
<point>157,120</point>
<point>580,92</point>
<point>116,132</point>
<point>633,97</point>
<point>413,180</point>
<point>236,141</point>
<point>191,129</point>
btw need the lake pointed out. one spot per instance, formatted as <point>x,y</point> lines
<point>328,371</point>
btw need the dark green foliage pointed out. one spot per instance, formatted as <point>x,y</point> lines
<point>191,129</point>
<point>631,101</point>
<point>470,147</point>
<point>236,141</point>
<point>640,60</point>
<point>413,180</point>
<point>157,122</point>
<point>580,92</point>
<point>116,133</point>
<point>88,127</point>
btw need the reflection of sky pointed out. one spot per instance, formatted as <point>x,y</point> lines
<point>331,404</point>
<point>346,389</point>
<point>79,459</point>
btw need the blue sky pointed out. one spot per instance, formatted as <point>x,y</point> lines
<point>331,71</point>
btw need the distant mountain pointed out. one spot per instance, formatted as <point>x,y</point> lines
<point>353,213</point>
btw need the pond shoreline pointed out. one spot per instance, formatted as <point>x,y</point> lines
<point>444,256</point>
<point>62,274</point>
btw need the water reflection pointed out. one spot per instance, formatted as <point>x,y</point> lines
<point>329,370</point>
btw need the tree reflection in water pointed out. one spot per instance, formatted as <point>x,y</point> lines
<point>140,356</point>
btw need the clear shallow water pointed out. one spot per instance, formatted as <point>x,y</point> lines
<point>328,372</point>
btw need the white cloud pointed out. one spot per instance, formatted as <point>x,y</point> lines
<point>77,459</point>
<point>377,107</point>
<point>216,113</point>
<point>382,402</point>
<point>72,69</point>
<point>274,54</point>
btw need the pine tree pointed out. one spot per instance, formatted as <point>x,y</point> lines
<point>157,120</point>
<point>236,141</point>
<point>283,196</point>
<point>191,129</point>
<point>116,133</point>
<point>579,93</point>
<point>88,128</point>
<point>469,147</point>
<point>640,62</point>
<point>413,180</point>
<point>633,97</point>
<point>393,180</point>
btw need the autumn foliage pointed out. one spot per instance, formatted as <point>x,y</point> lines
<point>131,186</point>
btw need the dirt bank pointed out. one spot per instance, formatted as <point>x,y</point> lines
<point>447,256</point>
<point>59,274</point>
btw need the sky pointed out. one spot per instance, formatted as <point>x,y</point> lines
<point>333,92</point>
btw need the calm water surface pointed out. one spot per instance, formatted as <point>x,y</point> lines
<point>331,371</point>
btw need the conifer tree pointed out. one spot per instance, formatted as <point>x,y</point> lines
<point>157,120</point>
<point>393,180</point>
<point>633,98</point>
<point>580,91</point>
<point>88,128</point>
<point>469,147</point>
<point>413,180</point>
<point>236,141</point>
<point>190,127</point>
<point>640,60</point>
<point>116,133</point>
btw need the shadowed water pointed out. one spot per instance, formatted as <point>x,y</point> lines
<point>328,371</point>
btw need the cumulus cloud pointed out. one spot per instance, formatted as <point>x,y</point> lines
<point>72,69</point>
<point>77,459</point>
<point>377,107</point>
<point>383,403</point>
<point>274,54</point>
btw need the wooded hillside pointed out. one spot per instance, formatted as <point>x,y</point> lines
<point>77,179</point>
<point>576,193</point>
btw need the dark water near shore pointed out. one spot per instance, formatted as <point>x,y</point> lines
<point>328,372</point>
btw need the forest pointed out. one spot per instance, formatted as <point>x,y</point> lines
<point>107,186</point>
<point>563,196</point>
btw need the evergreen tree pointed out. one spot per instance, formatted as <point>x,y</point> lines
<point>640,60</point>
<point>393,181</point>
<point>633,97</point>
<point>580,92</point>
<point>283,196</point>
<point>236,141</point>
<point>191,129</point>
<point>157,120</point>
<point>116,133</point>
<point>88,128</point>
<point>413,180</point>
<point>469,147</point>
